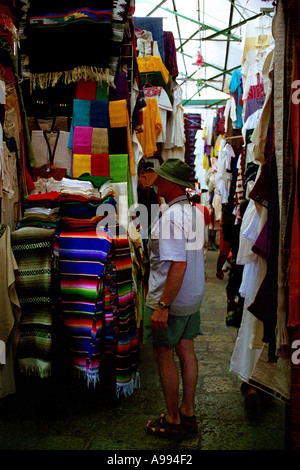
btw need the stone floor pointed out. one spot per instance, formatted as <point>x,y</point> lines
<point>61,415</point>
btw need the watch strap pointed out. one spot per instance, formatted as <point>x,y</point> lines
<point>163,305</point>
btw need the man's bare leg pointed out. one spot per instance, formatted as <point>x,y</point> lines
<point>169,380</point>
<point>189,372</point>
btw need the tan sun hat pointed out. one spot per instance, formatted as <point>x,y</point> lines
<point>175,170</point>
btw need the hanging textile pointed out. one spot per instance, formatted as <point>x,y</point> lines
<point>99,125</point>
<point>98,306</point>
<point>192,123</point>
<point>152,127</point>
<point>99,142</point>
<point>62,36</point>
<point>119,15</point>
<point>170,54</point>
<point>294,216</point>
<point>10,312</point>
<point>155,26</point>
<point>153,64</point>
<point>33,251</point>
<point>236,90</point>
<point>82,257</point>
<point>127,354</point>
<point>121,91</point>
<point>86,90</point>
<point>119,118</point>
<point>51,147</point>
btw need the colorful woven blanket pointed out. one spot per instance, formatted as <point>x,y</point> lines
<point>98,306</point>
<point>33,250</point>
<point>62,36</point>
<point>127,353</point>
<point>82,259</point>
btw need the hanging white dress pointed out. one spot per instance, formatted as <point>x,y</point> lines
<point>249,339</point>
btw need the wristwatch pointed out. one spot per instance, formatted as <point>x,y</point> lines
<point>163,305</point>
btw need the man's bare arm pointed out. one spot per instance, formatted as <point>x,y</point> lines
<point>173,283</point>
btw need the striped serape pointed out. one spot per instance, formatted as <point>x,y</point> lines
<point>127,353</point>
<point>33,250</point>
<point>82,257</point>
<point>98,306</point>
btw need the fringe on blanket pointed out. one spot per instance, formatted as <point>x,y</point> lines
<point>33,366</point>
<point>122,389</point>
<point>127,389</point>
<point>91,378</point>
<point>45,80</point>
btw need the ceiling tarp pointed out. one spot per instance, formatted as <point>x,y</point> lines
<point>209,30</point>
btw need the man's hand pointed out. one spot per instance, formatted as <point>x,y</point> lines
<point>159,319</point>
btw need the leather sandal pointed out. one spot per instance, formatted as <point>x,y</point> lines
<point>189,423</point>
<point>160,427</point>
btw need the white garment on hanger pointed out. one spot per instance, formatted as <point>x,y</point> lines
<point>230,112</point>
<point>209,130</point>
<point>62,155</point>
<point>251,122</point>
<point>145,45</point>
<point>223,176</point>
<point>245,354</point>
<point>175,135</point>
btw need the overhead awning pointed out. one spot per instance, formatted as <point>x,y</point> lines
<point>211,30</point>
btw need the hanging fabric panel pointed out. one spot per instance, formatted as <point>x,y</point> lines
<point>62,36</point>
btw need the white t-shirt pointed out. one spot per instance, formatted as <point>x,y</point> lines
<point>178,236</point>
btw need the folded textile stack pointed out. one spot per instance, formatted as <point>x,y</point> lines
<point>42,211</point>
<point>79,201</point>
<point>79,187</point>
<point>97,295</point>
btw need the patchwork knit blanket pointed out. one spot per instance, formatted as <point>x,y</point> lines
<point>33,251</point>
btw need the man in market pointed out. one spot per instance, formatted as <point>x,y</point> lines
<point>175,292</point>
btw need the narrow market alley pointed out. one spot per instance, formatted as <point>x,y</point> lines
<point>60,415</point>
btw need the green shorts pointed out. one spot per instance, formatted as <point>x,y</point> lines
<point>186,327</point>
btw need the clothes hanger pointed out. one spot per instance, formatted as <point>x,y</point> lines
<point>51,132</point>
<point>147,83</point>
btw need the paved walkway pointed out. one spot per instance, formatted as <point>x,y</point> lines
<point>58,415</point>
